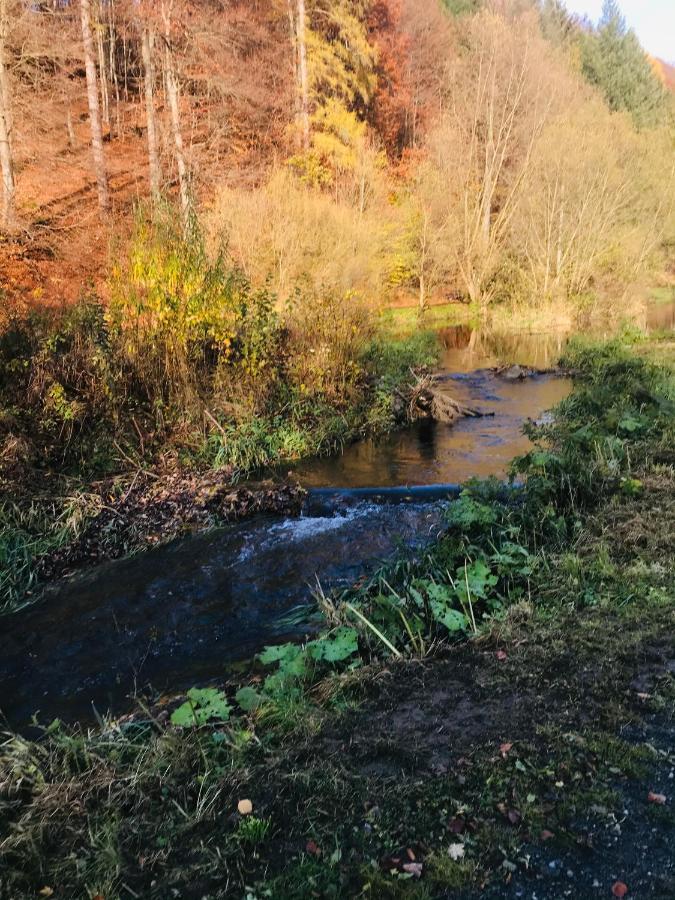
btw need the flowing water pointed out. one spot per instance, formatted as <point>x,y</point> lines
<point>179,614</point>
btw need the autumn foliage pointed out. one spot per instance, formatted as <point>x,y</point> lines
<point>388,123</point>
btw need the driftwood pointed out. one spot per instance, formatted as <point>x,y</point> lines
<point>425,401</point>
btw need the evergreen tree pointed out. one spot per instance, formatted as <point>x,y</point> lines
<point>614,61</point>
<point>557,24</point>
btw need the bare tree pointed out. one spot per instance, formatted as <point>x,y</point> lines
<point>302,72</point>
<point>94,108</point>
<point>497,120</point>
<point>174,108</point>
<point>103,74</point>
<point>6,162</point>
<point>588,193</point>
<point>296,65</point>
<point>147,48</point>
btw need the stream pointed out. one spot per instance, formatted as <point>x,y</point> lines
<point>181,614</point>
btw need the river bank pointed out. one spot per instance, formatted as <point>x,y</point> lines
<point>439,742</point>
<point>79,484</point>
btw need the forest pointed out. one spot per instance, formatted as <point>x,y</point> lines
<point>337,416</point>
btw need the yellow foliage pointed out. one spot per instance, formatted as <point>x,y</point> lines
<point>291,236</point>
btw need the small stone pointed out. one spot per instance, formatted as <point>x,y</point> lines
<point>244,807</point>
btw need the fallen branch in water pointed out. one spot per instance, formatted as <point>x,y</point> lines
<point>425,401</point>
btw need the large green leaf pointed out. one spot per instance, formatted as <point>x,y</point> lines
<point>248,698</point>
<point>340,645</point>
<point>453,619</point>
<point>202,705</point>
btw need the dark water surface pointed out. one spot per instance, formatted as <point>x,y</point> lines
<point>179,614</point>
<point>176,615</point>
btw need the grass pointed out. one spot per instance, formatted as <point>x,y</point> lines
<point>32,531</point>
<point>404,319</point>
<point>663,294</point>
<point>453,769</point>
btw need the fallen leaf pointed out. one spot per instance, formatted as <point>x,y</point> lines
<point>504,749</point>
<point>46,891</point>
<point>410,854</point>
<point>514,816</point>
<point>546,835</point>
<point>313,848</point>
<point>456,851</point>
<point>619,889</point>
<point>245,807</point>
<point>659,799</point>
<point>501,655</point>
<point>414,869</point>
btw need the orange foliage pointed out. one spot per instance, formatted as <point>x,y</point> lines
<point>664,72</point>
<point>390,108</point>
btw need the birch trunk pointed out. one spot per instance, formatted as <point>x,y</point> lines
<point>94,108</point>
<point>304,80</point>
<point>147,45</point>
<point>103,77</point>
<point>297,101</point>
<point>174,108</point>
<point>6,162</point>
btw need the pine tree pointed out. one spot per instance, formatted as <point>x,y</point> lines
<point>614,61</point>
<point>557,25</point>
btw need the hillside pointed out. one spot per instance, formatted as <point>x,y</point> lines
<point>361,125</point>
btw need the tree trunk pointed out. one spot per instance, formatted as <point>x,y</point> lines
<point>297,93</point>
<point>103,77</point>
<point>72,140</point>
<point>422,300</point>
<point>112,65</point>
<point>6,162</point>
<point>174,108</point>
<point>147,45</point>
<point>304,80</point>
<point>94,109</point>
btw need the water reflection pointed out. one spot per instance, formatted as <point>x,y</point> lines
<point>431,453</point>
<point>466,348</point>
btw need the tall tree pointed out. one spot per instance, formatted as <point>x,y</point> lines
<point>557,24</point>
<point>147,50</point>
<point>302,72</point>
<point>174,109</point>
<point>296,68</point>
<point>94,108</point>
<point>6,160</point>
<point>499,100</point>
<point>615,62</point>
